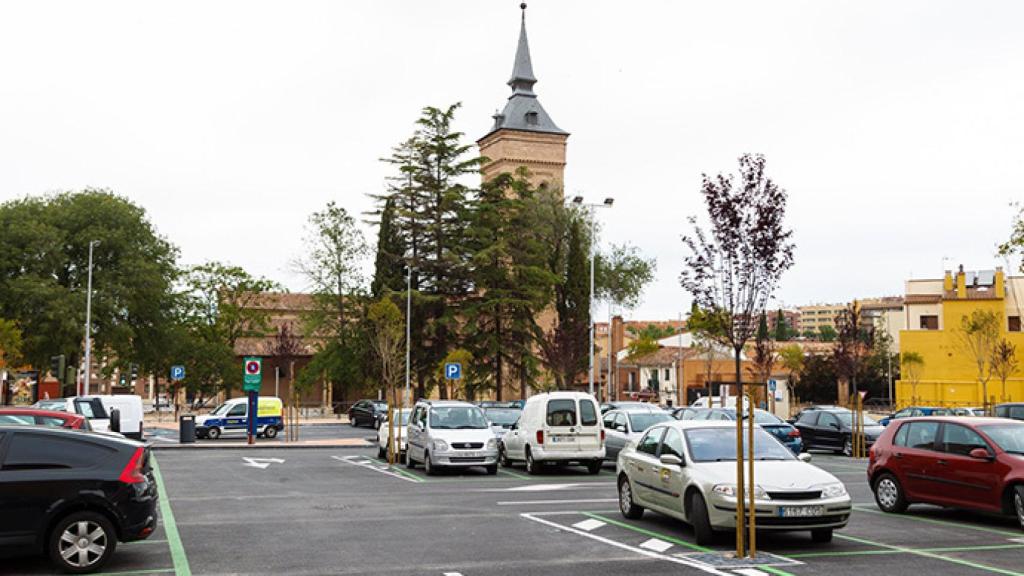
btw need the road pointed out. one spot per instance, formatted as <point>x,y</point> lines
<point>333,511</point>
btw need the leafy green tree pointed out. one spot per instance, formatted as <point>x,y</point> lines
<point>911,365</point>
<point>853,346</point>
<point>10,343</point>
<point>466,387</point>
<point>1004,363</point>
<point>621,274</point>
<point>642,346</point>
<point>512,282</point>
<point>1015,244</point>
<point>390,259</point>
<point>764,352</point>
<point>783,331</point>
<point>976,338</point>
<point>44,252</point>
<point>817,381</point>
<point>792,360</point>
<point>827,333</point>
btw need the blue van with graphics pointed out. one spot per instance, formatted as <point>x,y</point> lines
<point>231,418</point>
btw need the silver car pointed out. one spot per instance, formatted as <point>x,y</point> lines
<point>628,425</point>
<point>687,470</point>
<point>450,434</point>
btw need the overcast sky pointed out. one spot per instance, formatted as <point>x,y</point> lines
<point>896,126</point>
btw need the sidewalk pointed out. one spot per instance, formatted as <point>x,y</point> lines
<point>263,443</point>
<point>168,423</point>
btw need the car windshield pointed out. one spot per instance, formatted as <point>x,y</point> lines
<point>719,445</point>
<point>1009,437</point>
<point>221,410</point>
<point>58,405</point>
<point>847,417</point>
<point>762,417</point>
<point>457,418</point>
<point>641,421</point>
<point>404,416</point>
<point>502,416</point>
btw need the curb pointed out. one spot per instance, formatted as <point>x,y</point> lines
<point>207,447</point>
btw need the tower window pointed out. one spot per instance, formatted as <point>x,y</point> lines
<point>929,322</point>
<point>1014,324</point>
<point>531,118</point>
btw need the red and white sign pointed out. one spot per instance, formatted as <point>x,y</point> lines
<point>252,367</point>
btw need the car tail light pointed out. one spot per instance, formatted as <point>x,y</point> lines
<point>794,433</point>
<point>540,436</point>
<point>871,455</point>
<point>602,435</point>
<point>132,473</point>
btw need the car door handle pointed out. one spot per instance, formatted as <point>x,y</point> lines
<point>899,456</point>
<point>942,463</point>
<point>639,468</point>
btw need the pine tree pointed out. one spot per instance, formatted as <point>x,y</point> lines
<point>389,266</point>
<point>781,327</point>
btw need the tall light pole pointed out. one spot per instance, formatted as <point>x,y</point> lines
<point>408,328</point>
<point>88,322</point>
<point>578,200</point>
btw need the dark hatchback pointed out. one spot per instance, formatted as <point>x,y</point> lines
<point>782,430</point>
<point>73,495</point>
<point>368,412</point>
<point>832,430</point>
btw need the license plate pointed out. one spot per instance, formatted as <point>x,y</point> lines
<point>561,439</point>
<point>801,511</point>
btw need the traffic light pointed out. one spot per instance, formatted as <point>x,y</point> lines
<point>122,379</point>
<point>70,376</point>
<point>57,366</point>
<point>135,372</point>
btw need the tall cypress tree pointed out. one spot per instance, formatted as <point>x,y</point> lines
<point>390,260</point>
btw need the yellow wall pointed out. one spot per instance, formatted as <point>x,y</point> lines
<point>949,376</point>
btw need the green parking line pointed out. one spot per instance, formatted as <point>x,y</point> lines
<point>181,567</point>
<point>675,540</point>
<point>931,555</point>
<point>932,550</point>
<point>515,474</point>
<point>939,522</point>
<point>407,474</point>
<point>134,572</point>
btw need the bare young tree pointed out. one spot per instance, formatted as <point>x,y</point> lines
<point>388,342</point>
<point>976,338</point>
<point>852,346</point>
<point>733,269</point>
<point>285,348</point>
<point>911,364</point>
<point>1004,363</point>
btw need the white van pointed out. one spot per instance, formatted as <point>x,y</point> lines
<point>97,409</point>
<point>556,427</point>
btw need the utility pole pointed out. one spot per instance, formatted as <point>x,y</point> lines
<point>88,322</point>
<point>408,328</point>
<point>578,200</point>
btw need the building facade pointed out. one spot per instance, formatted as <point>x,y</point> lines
<point>813,317</point>
<point>933,311</point>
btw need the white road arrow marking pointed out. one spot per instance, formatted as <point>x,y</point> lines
<point>261,463</point>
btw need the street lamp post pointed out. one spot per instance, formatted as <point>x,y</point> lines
<point>578,200</point>
<point>88,322</point>
<point>408,328</point>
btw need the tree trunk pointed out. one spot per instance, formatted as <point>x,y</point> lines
<point>741,492</point>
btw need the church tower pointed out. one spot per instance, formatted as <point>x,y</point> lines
<point>523,134</point>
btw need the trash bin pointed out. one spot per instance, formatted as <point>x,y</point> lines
<point>187,429</point>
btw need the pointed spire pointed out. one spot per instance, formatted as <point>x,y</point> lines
<point>522,79</point>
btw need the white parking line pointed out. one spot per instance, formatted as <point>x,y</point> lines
<point>550,487</point>
<point>589,525</point>
<point>542,502</point>
<point>751,572</point>
<point>363,462</point>
<point>453,574</point>
<point>649,553</point>
<point>656,545</point>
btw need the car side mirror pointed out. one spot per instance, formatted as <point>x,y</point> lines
<point>833,425</point>
<point>980,454</point>
<point>804,457</point>
<point>671,460</point>
<point>791,421</point>
<point>115,420</point>
<point>621,428</point>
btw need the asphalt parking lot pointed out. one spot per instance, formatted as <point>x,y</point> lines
<point>342,511</point>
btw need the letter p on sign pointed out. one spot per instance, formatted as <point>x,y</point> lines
<point>453,370</point>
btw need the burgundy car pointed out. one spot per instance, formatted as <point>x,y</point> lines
<point>37,417</point>
<point>975,463</point>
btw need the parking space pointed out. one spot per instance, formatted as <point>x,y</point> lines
<point>273,511</point>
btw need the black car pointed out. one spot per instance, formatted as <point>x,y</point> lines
<point>368,412</point>
<point>73,495</point>
<point>814,408</point>
<point>831,429</point>
<point>1014,410</point>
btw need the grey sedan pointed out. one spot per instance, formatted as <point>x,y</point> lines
<point>628,425</point>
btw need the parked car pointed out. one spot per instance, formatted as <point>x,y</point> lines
<point>812,408</point>
<point>624,404</point>
<point>232,419</point>
<point>687,470</point>
<point>782,430</point>
<point>968,412</point>
<point>450,434</point>
<point>557,428</point>
<point>38,417</point>
<point>97,408</point>
<point>73,496</point>
<point>833,430</point>
<point>501,419</point>
<point>367,412</point>
<point>975,463</point>
<point>1014,410</point>
<point>401,433</point>
<point>915,412</point>
<point>627,425</point>
<point>684,413</point>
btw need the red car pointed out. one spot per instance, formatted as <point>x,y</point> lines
<point>37,417</point>
<point>975,463</point>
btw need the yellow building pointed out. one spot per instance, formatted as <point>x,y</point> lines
<point>933,311</point>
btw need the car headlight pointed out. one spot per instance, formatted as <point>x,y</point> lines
<point>833,490</point>
<point>730,490</point>
<point>492,444</point>
<point>440,445</point>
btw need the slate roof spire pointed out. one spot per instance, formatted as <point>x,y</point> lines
<point>523,111</point>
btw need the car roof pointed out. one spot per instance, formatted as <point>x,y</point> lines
<point>96,436</point>
<point>39,412</point>
<point>700,424</point>
<point>960,420</point>
<point>447,403</point>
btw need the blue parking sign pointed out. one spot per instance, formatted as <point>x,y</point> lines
<point>453,370</point>
<point>177,372</point>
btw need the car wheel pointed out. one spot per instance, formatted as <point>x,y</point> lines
<point>821,535</point>
<point>848,446</point>
<point>376,423</point>
<point>213,433</point>
<point>531,464</point>
<point>628,508</point>
<point>492,469</point>
<point>428,466</point>
<point>1018,503</point>
<point>889,494</point>
<point>503,457</point>
<point>594,467</point>
<point>352,421</point>
<point>409,462</point>
<point>700,521</point>
<point>270,432</point>
<point>381,452</point>
<point>82,542</point>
